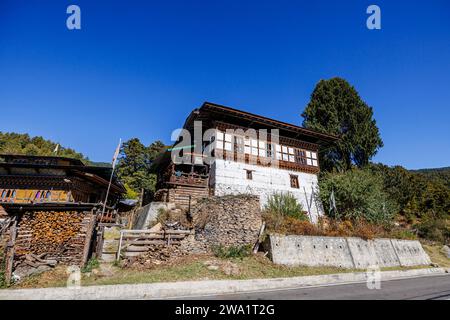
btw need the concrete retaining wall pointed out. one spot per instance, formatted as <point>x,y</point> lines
<point>345,252</point>
<point>147,214</point>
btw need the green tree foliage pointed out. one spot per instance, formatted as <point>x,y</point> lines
<point>359,195</point>
<point>417,194</point>
<point>436,174</point>
<point>16,143</point>
<point>336,108</point>
<point>134,166</point>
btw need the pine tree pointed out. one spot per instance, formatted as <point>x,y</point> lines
<point>336,108</point>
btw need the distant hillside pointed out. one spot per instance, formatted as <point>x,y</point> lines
<point>17,143</point>
<point>441,175</point>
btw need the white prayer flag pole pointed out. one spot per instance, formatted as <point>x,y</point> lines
<point>114,160</point>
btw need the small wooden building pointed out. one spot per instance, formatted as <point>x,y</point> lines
<point>50,208</point>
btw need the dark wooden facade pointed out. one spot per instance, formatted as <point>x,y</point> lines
<point>38,179</point>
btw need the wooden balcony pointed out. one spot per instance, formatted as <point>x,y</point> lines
<point>189,179</point>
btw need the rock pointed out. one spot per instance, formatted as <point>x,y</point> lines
<point>231,269</point>
<point>106,269</point>
<point>213,268</point>
<point>446,250</point>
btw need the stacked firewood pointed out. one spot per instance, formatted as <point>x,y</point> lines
<point>50,231</point>
<point>38,260</point>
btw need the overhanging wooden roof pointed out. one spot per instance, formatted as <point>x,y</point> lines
<point>210,111</point>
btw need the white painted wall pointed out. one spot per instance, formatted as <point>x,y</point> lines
<point>229,177</point>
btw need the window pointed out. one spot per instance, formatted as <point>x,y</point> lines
<point>219,140</point>
<point>285,153</point>
<point>294,181</point>
<point>270,153</point>
<point>300,156</point>
<point>223,141</point>
<point>249,174</point>
<point>311,158</point>
<point>238,145</point>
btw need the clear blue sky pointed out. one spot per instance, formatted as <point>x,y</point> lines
<point>137,68</point>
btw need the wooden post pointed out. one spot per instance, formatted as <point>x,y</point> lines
<point>307,203</point>
<point>141,198</point>
<point>261,231</point>
<point>10,253</point>
<point>99,247</point>
<point>87,241</point>
<point>120,246</point>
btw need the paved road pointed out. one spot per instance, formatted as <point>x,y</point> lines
<point>424,288</point>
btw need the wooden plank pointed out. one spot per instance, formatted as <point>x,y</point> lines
<point>146,242</point>
<point>10,253</point>
<point>87,242</point>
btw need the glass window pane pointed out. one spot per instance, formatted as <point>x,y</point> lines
<point>228,137</point>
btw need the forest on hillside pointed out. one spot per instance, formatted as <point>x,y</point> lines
<point>22,143</point>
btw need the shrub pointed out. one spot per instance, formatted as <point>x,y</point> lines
<point>402,234</point>
<point>359,196</point>
<point>90,265</point>
<point>434,230</point>
<point>231,251</point>
<point>285,204</point>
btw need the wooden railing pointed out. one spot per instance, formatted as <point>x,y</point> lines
<point>35,196</point>
<point>189,179</point>
<point>139,241</point>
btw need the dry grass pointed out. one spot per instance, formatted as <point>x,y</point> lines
<point>189,268</point>
<point>333,228</point>
<point>436,255</point>
<point>193,268</point>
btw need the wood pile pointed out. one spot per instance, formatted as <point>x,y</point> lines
<point>59,235</point>
<point>36,261</point>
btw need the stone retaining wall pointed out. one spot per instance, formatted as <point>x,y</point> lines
<point>228,220</point>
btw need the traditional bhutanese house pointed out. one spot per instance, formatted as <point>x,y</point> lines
<point>50,209</point>
<point>242,153</point>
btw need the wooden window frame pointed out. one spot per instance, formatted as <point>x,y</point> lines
<point>294,181</point>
